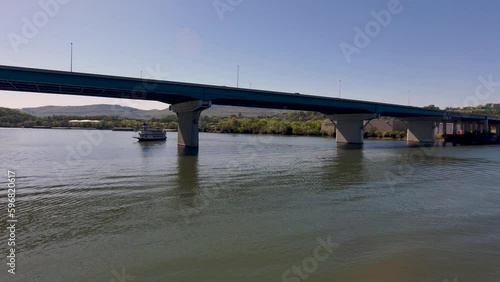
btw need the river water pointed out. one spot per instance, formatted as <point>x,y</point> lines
<point>100,206</point>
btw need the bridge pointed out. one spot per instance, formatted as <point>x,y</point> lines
<point>188,100</point>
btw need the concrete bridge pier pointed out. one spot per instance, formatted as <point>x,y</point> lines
<point>350,128</point>
<point>463,126</point>
<point>444,127</point>
<point>455,127</point>
<point>421,130</point>
<point>486,126</point>
<point>467,128</point>
<point>188,115</point>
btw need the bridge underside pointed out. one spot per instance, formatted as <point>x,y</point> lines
<point>349,114</point>
<point>140,91</point>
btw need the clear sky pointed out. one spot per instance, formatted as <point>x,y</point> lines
<point>436,49</point>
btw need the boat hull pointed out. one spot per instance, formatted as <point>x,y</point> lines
<point>150,139</point>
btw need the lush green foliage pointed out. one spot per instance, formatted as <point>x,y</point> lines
<point>488,109</point>
<point>15,118</point>
<point>292,123</point>
<point>431,107</point>
<point>385,134</point>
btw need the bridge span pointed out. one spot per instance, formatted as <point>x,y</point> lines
<point>188,100</point>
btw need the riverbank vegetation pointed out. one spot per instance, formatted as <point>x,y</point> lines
<point>289,123</point>
<point>376,134</point>
<point>292,123</point>
<point>15,118</point>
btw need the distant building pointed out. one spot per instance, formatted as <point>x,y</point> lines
<point>77,122</point>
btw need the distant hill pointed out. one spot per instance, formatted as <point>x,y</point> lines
<point>8,116</point>
<point>133,113</point>
<point>96,110</point>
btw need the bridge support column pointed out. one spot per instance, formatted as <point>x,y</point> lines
<point>421,130</point>
<point>475,126</point>
<point>467,127</point>
<point>188,115</point>
<point>350,128</point>
<point>444,127</point>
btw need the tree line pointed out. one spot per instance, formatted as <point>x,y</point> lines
<point>290,123</point>
<point>15,118</point>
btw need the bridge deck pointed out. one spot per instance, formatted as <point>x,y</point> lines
<point>72,83</point>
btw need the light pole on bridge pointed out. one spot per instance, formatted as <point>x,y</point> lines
<point>340,87</point>
<point>71,59</point>
<point>238,78</point>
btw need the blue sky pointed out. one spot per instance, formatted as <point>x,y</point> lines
<point>436,49</point>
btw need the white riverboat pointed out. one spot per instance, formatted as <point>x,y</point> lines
<point>148,133</point>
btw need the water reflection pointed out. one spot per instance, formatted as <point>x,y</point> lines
<point>423,144</point>
<point>264,219</point>
<point>347,167</point>
<point>187,173</point>
<point>188,186</point>
<point>345,147</point>
<point>149,148</point>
